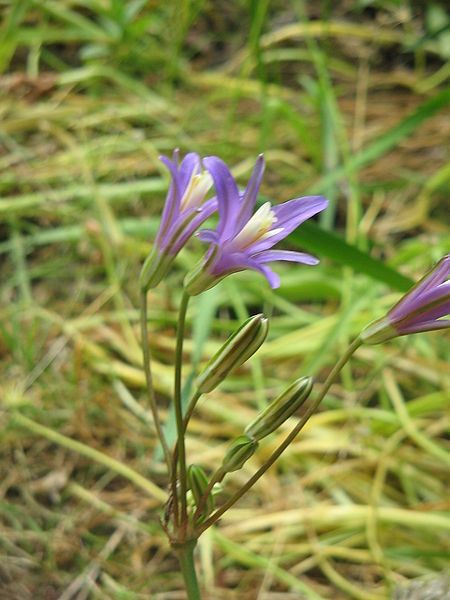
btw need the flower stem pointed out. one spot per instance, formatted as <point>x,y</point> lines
<point>289,438</point>
<point>179,410</point>
<point>186,419</point>
<point>185,553</point>
<point>149,381</point>
<point>190,409</point>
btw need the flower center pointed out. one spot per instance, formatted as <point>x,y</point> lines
<point>257,228</point>
<point>196,190</point>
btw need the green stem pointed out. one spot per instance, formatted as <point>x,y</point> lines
<point>149,380</point>
<point>179,409</point>
<point>288,440</point>
<point>190,409</point>
<point>185,554</point>
<point>186,419</point>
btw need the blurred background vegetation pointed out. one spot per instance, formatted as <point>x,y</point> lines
<point>347,99</point>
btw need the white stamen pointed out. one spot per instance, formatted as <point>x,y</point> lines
<point>196,190</point>
<point>258,227</point>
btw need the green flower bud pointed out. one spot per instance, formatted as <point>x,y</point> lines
<point>241,449</point>
<point>239,347</point>
<point>198,482</point>
<point>280,409</point>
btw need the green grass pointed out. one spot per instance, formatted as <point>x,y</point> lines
<point>346,99</point>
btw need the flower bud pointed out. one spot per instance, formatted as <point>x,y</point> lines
<point>278,411</point>
<point>420,309</point>
<point>241,449</point>
<point>185,210</point>
<point>237,349</point>
<point>198,482</point>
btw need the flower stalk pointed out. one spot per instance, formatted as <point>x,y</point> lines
<point>288,440</point>
<point>149,381</point>
<point>180,445</point>
<point>185,554</point>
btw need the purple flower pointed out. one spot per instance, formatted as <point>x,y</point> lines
<point>244,240</point>
<point>419,310</point>
<point>184,211</point>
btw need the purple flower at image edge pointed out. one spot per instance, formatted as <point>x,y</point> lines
<point>421,309</point>
<point>185,210</point>
<point>244,240</point>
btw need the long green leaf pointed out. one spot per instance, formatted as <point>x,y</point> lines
<point>324,243</point>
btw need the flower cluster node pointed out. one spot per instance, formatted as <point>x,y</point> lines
<point>198,484</point>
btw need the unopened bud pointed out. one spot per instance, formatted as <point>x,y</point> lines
<point>198,483</point>
<point>241,449</point>
<point>278,411</point>
<point>420,309</point>
<point>237,349</point>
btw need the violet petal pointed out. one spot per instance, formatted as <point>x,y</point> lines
<point>250,195</point>
<point>420,303</point>
<point>426,326</point>
<point>190,165</point>
<point>292,213</point>
<point>227,195</point>
<point>287,255</point>
<point>191,221</point>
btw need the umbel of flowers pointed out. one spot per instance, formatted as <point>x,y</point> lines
<point>243,239</point>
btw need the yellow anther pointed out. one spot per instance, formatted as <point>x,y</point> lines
<point>258,227</point>
<point>195,193</point>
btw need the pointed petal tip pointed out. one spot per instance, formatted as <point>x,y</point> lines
<point>319,201</point>
<point>260,164</point>
<point>272,277</point>
<point>168,162</point>
<point>212,159</point>
<point>175,157</point>
<point>217,167</point>
<point>444,262</point>
<point>275,284</point>
<point>192,155</point>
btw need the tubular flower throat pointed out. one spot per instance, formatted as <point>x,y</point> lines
<point>184,211</point>
<point>244,240</point>
<point>419,310</point>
